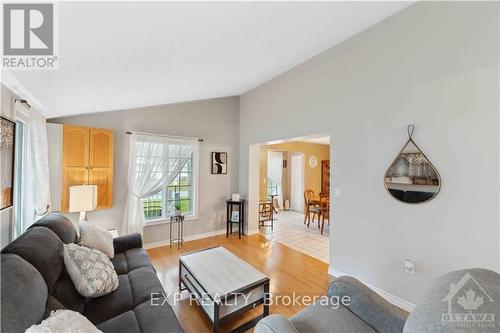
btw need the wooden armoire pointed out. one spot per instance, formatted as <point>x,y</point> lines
<point>87,158</point>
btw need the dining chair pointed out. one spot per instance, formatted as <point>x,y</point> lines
<point>308,196</point>
<point>266,215</point>
<point>315,210</point>
<point>321,210</point>
<point>324,205</point>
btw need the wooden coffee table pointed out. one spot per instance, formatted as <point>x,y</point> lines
<point>224,285</point>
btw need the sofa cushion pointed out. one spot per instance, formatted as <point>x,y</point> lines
<point>52,304</point>
<point>129,260</point>
<point>144,318</point>
<point>157,318</point>
<point>24,294</point>
<point>134,288</point>
<point>326,319</point>
<point>60,225</point>
<point>365,303</point>
<point>126,322</point>
<point>41,248</point>
<point>65,292</point>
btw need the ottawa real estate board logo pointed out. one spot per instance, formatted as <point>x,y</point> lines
<point>470,306</point>
<point>30,36</point>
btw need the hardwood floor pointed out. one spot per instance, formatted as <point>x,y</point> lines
<point>290,272</point>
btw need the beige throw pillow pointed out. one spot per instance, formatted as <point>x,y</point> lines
<point>96,238</point>
<point>90,270</point>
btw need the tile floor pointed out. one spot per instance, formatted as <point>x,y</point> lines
<point>289,230</point>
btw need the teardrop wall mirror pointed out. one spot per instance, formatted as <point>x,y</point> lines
<point>412,178</point>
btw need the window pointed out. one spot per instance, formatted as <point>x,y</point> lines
<point>180,192</point>
<point>273,187</point>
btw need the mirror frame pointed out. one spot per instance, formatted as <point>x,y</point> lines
<point>410,140</point>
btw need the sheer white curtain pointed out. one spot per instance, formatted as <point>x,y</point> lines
<point>154,161</point>
<point>275,173</point>
<point>34,174</point>
<point>40,164</point>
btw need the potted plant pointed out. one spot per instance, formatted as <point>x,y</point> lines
<point>178,211</point>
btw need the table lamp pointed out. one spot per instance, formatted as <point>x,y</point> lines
<point>82,198</point>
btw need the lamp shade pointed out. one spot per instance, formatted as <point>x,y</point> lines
<point>82,198</point>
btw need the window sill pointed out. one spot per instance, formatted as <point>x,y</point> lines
<point>167,220</point>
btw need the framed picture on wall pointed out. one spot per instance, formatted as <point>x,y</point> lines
<point>219,163</point>
<point>7,148</point>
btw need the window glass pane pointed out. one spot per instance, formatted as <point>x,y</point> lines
<point>18,174</point>
<point>153,205</point>
<point>272,187</point>
<point>163,204</point>
<point>186,206</point>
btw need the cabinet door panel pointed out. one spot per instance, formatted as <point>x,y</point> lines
<point>103,178</point>
<point>101,148</point>
<point>101,165</point>
<point>75,155</point>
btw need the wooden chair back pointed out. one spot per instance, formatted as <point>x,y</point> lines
<point>324,202</point>
<point>308,196</point>
<point>265,211</point>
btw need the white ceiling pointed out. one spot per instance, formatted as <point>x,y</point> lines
<point>117,55</point>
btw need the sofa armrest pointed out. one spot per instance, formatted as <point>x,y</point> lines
<point>127,242</point>
<point>368,305</point>
<point>275,324</point>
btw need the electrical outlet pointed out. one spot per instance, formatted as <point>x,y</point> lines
<point>409,266</point>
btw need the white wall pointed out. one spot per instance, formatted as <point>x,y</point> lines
<point>435,64</point>
<point>214,120</point>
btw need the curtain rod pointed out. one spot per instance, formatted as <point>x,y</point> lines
<point>22,101</point>
<point>164,135</point>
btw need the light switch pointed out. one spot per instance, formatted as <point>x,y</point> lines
<point>409,266</point>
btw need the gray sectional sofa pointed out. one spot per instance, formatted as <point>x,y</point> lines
<point>34,282</point>
<point>370,313</point>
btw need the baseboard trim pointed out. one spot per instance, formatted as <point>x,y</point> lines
<point>253,232</point>
<point>189,238</point>
<point>397,301</point>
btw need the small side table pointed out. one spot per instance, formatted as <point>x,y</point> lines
<point>113,232</point>
<point>230,204</point>
<point>179,220</point>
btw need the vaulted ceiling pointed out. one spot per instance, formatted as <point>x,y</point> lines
<point>118,55</point>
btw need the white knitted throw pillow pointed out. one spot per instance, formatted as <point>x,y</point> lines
<point>90,270</point>
<point>64,321</point>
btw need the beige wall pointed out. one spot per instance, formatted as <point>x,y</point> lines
<point>312,176</point>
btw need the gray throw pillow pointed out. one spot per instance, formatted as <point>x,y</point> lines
<point>90,270</point>
<point>96,238</point>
